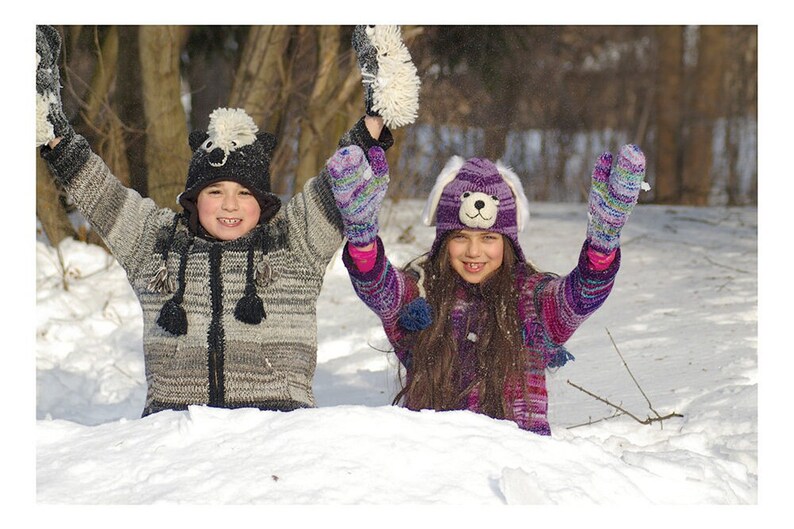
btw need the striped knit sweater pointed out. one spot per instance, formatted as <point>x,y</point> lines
<point>220,361</point>
<point>550,308</point>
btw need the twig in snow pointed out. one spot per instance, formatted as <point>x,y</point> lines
<point>591,421</point>
<point>630,373</point>
<point>647,421</point>
<point>725,266</point>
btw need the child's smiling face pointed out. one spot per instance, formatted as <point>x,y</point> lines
<point>475,254</point>
<point>227,210</point>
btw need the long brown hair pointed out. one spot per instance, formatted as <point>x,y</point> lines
<point>434,380</point>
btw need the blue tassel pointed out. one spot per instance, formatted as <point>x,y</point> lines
<point>416,316</point>
<point>560,358</point>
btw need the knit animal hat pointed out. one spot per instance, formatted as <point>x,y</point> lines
<point>477,194</point>
<point>231,149</point>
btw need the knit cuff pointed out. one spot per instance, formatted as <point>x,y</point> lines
<point>68,157</point>
<point>359,135</point>
<point>377,263</point>
<point>599,261</point>
<point>363,259</point>
<point>604,274</point>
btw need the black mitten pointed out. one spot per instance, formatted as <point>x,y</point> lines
<point>51,122</point>
<point>367,57</point>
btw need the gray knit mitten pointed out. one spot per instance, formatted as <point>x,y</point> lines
<point>391,84</point>
<point>51,122</point>
<point>359,186</point>
<point>613,194</point>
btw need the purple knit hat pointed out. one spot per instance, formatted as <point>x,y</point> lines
<point>477,194</point>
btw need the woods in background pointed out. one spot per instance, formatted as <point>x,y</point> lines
<point>545,99</point>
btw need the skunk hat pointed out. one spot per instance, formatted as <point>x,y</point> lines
<point>232,149</point>
<point>477,194</point>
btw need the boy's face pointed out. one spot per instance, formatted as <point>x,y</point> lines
<point>475,254</point>
<point>227,210</point>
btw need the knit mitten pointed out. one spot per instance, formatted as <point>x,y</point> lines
<point>51,122</point>
<point>359,186</point>
<point>391,84</point>
<point>613,194</point>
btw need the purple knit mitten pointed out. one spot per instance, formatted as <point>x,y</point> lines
<point>613,194</point>
<point>359,186</point>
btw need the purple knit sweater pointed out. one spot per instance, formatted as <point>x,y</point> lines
<point>550,308</point>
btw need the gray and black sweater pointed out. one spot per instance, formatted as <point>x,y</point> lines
<point>220,360</point>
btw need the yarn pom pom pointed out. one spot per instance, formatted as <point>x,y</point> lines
<point>231,128</point>
<point>416,316</point>
<point>250,309</point>
<point>173,318</point>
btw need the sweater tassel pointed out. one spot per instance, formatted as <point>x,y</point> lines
<point>173,318</point>
<point>249,308</point>
<point>416,316</point>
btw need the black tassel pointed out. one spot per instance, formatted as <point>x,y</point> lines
<point>250,309</point>
<point>173,318</point>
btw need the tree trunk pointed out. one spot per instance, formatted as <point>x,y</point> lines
<point>262,74</point>
<point>323,124</point>
<point>167,150</point>
<point>669,81</point>
<point>104,73</point>
<point>128,103</point>
<point>51,215</point>
<point>262,87</point>
<point>706,100</point>
<point>503,110</point>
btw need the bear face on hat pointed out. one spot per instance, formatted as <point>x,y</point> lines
<point>231,149</point>
<point>477,194</point>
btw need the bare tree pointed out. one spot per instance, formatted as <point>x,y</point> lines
<point>54,221</point>
<point>324,119</point>
<point>706,104</point>
<point>167,150</point>
<point>669,79</point>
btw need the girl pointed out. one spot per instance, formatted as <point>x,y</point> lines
<point>473,323</point>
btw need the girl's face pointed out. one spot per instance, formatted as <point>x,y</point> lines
<point>475,254</point>
<point>227,210</point>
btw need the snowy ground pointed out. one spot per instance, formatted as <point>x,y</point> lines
<point>683,314</point>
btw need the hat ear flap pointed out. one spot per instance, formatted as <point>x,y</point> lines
<point>196,138</point>
<point>447,175</point>
<point>267,140</point>
<point>514,183</point>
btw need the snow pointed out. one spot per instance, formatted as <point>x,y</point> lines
<point>683,315</point>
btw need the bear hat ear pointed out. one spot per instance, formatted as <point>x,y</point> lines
<point>267,140</point>
<point>514,183</point>
<point>447,175</point>
<point>196,138</point>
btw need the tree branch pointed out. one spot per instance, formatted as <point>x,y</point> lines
<point>630,373</point>
<point>619,410</point>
